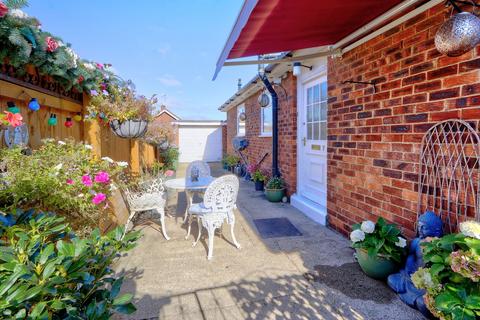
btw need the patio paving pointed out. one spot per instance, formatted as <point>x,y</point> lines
<point>307,276</point>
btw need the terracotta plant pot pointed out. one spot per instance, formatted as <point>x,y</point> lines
<point>274,195</point>
<point>375,267</point>
<point>259,185</point>
<point>129,129</point>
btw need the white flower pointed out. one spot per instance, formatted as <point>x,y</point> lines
<point>73,55</point>
<point>357,235</point>
<point>90,66</point>
<point>368,226</point>
<point>112,187</point>
<point>58,167</point>
<point>81,195</point>
<point>109,160</point>
<point>470,229</point>
<point>62,143</point>
<point>402,243</point>
<point>17,13</point>
<point>88,147</point>
<point>122,164</point>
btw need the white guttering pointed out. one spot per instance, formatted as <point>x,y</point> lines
<point>199,123</point>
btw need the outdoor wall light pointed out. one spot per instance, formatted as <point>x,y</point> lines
<point>297,68</point>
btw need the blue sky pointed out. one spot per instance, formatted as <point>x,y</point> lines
<point>165,46</point>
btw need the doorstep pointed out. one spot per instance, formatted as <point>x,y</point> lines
<point>314,211</point>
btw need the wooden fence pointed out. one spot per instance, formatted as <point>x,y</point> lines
<point>105,143</point>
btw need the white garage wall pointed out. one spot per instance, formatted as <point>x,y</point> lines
<point>200,142</point>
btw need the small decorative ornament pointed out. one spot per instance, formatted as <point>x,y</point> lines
<point>16,136</point>
<point>34,105</point>
<point>77,117</point>
<point>68,122</point>
<point>264,100</point>
<point>242,116</point>
<point>285,199</point>
<point>459,34</point>
<point>12,107</point>
<point>52,121</point>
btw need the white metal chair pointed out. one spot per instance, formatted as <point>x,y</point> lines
<point>218,205</point>
<point>148,195</point>
<point>203,171</point>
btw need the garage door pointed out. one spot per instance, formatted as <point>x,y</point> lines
<point>200,143</point>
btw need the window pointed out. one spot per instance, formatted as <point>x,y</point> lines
<point>241,120</point>
<point>317,112</point>
<point>266,119</point>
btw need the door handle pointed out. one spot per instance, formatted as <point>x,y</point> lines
<point>304,141</point>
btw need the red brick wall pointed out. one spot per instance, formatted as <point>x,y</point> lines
<point>287,124</point>
<point>374,138</point>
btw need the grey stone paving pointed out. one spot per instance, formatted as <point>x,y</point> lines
<point>312,276</point>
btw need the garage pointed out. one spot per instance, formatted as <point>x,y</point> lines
<point>200,140</point>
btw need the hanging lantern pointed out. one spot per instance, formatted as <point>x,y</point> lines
<point>242,116</point>
<point>77,117</point>
<point>459,34</point>
<point>264,100</point>
<point>68,122</point>
<point>34,105</point>
<point>12,107</point>
<point>52,121</point>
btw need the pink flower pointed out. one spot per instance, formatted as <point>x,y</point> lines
<point>87,181</point>
<point>52,44</point>
<point>102,177</point>
<point>14,119</point>
<point>69,181</point>
<point>99,198</point>
<point>169,173</point>
<point>100,66</point>
<point>3,10</point>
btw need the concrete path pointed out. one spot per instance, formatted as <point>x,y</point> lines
<point>312,276</point>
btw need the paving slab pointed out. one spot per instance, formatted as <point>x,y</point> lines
<point>296,277</point>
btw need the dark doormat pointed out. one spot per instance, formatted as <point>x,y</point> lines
<point>276,228</point>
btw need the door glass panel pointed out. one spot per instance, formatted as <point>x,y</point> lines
<point>316,94</point>
<point>316,129</point>
<point>324,89</point>
<point>323,131</point>
<point>309,131</point>
<point>309,114</point>
<point>316,112</point>
<point>323,112</point>
<point>309,96</point>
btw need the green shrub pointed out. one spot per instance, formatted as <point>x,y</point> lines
<point>61,177</point>
<point>275,183</point>
<point>46,272</point>
<point>259,175</point>
<point>451,275</point>
<point>170,158</point>
<point>232,160</point>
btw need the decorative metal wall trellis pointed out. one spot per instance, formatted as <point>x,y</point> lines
<point>448,181</point>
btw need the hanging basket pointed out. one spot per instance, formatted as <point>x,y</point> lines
<point>129,129</point>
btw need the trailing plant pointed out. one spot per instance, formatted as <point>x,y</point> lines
<point>170,158</point>
<point>46,272</point>
<point>23,42</point>
<point>61,176</point>
<point>120,102</point>
<point>275,183</point>
<point>379,239</point>
<point>451,275</point>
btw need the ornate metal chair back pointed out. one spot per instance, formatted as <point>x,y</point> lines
<point>202,166</point>
<point>449,175</point>
<point>221,194</point>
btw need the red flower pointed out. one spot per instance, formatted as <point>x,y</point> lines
<point>3,10</point>
<point>52,44</point>
<point>80,79</point>
<point>14,119</point>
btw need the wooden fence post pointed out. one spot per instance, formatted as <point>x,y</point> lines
<point>135,155</point>
<point>92,131</point>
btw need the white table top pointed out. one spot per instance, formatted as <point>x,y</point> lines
<point>187,184</point>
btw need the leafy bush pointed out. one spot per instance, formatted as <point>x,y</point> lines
<point>61,177</point>
<point>379,239</point>
<point>451,275</point>
<point>275,183</point>
<point>170,158</point>
<point>232,160</point>
<point>259,175</point>
<point>46,272</point>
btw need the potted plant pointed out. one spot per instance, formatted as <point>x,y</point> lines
<point>232,161</point>
<point>275,189</point>
<point>126,113</point>
<point>259,177</point>
<point>379,247</point>
<point>451,276</point>
<point>225,162</point>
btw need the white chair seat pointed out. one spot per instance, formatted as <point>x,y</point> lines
<point>147,201</point>
<point>199,209</point>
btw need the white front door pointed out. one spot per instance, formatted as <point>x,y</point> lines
<point>312,180</point>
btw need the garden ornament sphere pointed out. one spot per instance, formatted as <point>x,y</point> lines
<point>264,100</point>
<point>34,105</point>
<point>242,116</point>
<point>459,34</point>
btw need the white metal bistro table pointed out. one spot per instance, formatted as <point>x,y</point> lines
<point>190,187</point>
